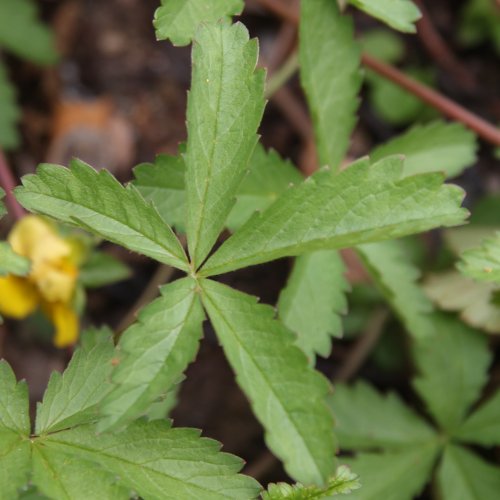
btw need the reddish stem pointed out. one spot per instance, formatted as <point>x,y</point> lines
<point>8,183</point>
<point>445,105</point>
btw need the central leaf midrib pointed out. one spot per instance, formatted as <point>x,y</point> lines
<point>210,166</point>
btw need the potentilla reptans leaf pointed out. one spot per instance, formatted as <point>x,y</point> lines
<point>11,262</point>
<point>437,146</point>
<point>15,450</point>
<point>159,462</point>
<point>330,75</point>
<point>314,298</point>
<point>396,276</point>
<point>177,20</point>
<point>483,263</point>
<point>398,475</point>
<point>9,136</point>
<point>451,369</point>
<point>398,14</point>
<point>362,204</point>
<point>225,106</point>
<point>366,419</point>
<point>63,477</point>
<point>287,395</point>
<point>23,34</point>
<point>462,475</point>
<point>482,427</point>
<point>73,397</point>
<point>99,203</point>
<point>153,353</point>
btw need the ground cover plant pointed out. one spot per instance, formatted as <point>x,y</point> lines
<point>226,203</point>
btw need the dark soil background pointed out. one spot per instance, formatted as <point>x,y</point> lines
<point>118,97</point>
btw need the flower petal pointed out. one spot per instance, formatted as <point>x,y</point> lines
<point>65,322</point>
<point>18,297</point>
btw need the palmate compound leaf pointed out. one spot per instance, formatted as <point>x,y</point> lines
<point>313,299</point>
<point>393,475</point>
<point>98,202</point>
<point>9,136</point>
<point>397,276</point>
<point>462,475</point>
<point>437,146</point>
<point>225,106</point>
<point>15,450</point>
<point>23,34</point>
<point>398,14</point>
<point>287,396</point>
<point>159,462</point>
<point>154,352</point>
<point>366,419</point>
<point>73,397</point>
<point>177,20</point>
<point>362,204</point>
<point>162,182</point>
<point>483,425</point>
<point>483,263</point>
<point>452,368</point>
<point>330,75</point>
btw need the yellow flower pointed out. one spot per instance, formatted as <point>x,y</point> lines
<point>51,282</point>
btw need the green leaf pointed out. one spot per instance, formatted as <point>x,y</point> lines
<point>399,475</point>
<point>361,204</point>
<point>66,477</point>
<point>22,33</point>
<point>162,183</point>
<point>330,75</point>
<point>464,476</point>
<point>9,135</point>
<point>178,20</point>
<point>383,44</point>
<point>396,277</point>
<point>398,14</point>
<point>96,201</point>
<point>343,482</point>
<point>225,107</point>
<point>102,269</point>
<point>269,176</point>
<point>14,433</point>
<point>475,301</point>
<point>483,263</point>
<point>72,398</point>
<point>154,352</point>
<point>366,419</point>
<point>287,395</point>
<point>14,407</point>
<point>483,426</point>
<point>313,300</point>
<point>15,457</point>
<point>438,146</point>
<point>11,262</point>
<point>452,368</point>
<point>160,462</point>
